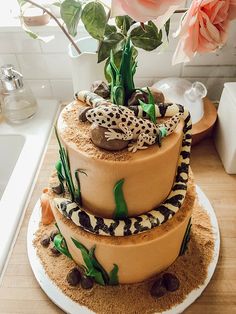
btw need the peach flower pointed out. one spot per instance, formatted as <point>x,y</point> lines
<point>204,28</point>
<point>145,10</point>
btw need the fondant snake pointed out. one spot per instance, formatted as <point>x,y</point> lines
<point>155,217</point>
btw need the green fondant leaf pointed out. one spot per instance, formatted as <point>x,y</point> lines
<point>91,270</point>
<point>60,244</point>
<point>121,210</point>
<point>97,265</point>
<point>150,110</point>
<point>186,239</point>
<point>114,280</point>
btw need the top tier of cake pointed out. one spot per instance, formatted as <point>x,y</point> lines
<point>148,174</point>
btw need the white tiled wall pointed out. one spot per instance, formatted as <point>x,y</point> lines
<point>46,67</point>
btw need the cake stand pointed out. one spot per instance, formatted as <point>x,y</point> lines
<point>69,306</point>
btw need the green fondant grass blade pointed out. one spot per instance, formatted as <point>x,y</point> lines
<point>91,271</point>
<point>114,280</point>
<point>65,167</point>
<point>186,239</point>
<point>56,225</point>
<point>121,210</point>
<point>97,265</point>
<point>77,191</point>
<point>150,110</point>
<point>61,246</point>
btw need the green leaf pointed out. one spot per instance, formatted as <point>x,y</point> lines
<point>57,4</point>
<point>124,23</point>
<point>150,110</point>
<point>110,29</point>
<point>114,280</point>
<point>61,246</point>
<point>21,2</point>
<point>121,210</point>
<point>33,35</point>
<point>115,42</point>
<point>94,18</point>
<point>167,28</point>
<point>148,39</point>
<point>97,265</point>
<point>70,14</point>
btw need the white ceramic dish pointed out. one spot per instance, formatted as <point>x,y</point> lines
<point>69,306</point>
<point>21,146</point>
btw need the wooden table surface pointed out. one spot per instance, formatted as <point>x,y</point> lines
<point>20,292</point>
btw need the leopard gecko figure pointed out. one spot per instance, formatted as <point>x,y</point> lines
<point>120,118</point>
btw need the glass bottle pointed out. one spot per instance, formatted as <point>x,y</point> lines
<point>17,100</point>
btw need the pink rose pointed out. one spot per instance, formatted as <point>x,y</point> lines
<point>204,28</point>
<point>145,10</point>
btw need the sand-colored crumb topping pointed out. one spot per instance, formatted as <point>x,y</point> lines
<point>190,269</point>
<point>77,133</point>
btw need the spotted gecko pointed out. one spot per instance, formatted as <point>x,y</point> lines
<point>122,123</point>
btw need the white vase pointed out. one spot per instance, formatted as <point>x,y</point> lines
<point>85,68</point>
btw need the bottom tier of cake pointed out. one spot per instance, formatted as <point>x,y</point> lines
<point>138,257</point>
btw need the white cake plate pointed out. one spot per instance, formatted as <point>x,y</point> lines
<point>69,306</point>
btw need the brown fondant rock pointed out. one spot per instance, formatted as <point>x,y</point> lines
<point>82,114</point>
<point>158,96</point>
<point>54,251</point>
<point>53,234</point>
<point>98,138</point>
<point>171,282</point>
<point>100,88</point>
<point>86,282</point>
<point>136,96</point>
<point>45,241</point>
<point>158,289</point>
<point>73,277</point>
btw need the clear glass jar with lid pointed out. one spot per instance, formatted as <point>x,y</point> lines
<point>17,100</point>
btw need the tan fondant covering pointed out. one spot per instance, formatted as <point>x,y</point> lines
<point>149,174</point>
<point>138,257</point>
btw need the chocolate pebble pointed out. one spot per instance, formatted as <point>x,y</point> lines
<point>86,282</point>
<point>158,289</point>
<point>73,277</point>
<point>53,234</point>
<point>54,251</point>
<point>58,188</point>
<point>101,89</point>
<point>171,282</point>
<point>45,241</point>
<point>82,114</point>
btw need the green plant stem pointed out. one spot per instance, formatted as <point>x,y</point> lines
<point>58,23</point>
